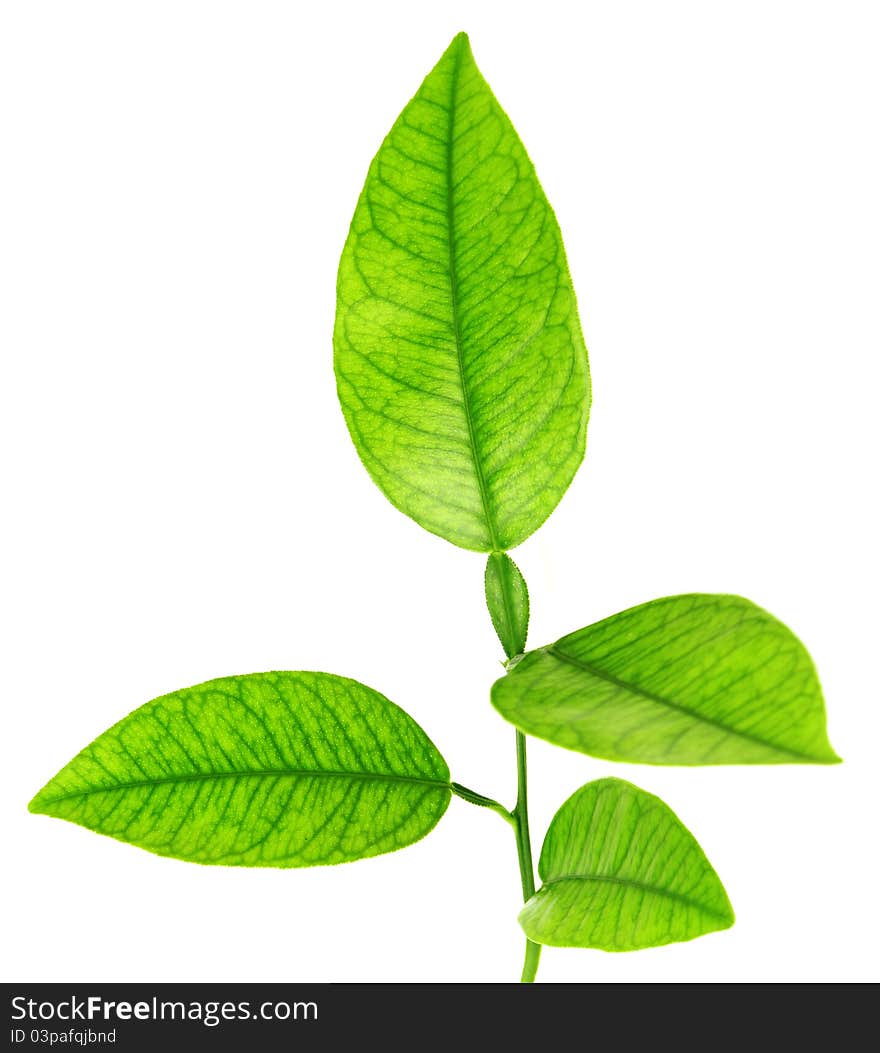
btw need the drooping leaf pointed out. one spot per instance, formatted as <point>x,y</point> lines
<point>271,769</point>
<point>460,364</point>
<point>696,679</point>
<point>507,598</point>
<point>621,872</point>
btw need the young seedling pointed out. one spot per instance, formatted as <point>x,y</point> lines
<point>463,378</point>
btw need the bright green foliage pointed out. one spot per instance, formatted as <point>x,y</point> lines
<point>460,364</point>
<point>622,872</point>
<point>695,679</point>
<point>272,769</point>
<point>507,598</point>
<point>463,378</point>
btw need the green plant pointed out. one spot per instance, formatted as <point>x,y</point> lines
<point>463,379</point>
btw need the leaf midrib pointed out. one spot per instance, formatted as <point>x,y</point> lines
<point>636,689</point>
<point>640,886</point>
<point>456,320</point>
<point>250,773</point>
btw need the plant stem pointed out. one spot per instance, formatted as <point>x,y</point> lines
<point>524,852</point>
<point>511,625</point>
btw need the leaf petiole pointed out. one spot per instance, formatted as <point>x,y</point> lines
<point>472,797</point>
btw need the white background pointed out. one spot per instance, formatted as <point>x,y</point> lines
<point>182,500</point>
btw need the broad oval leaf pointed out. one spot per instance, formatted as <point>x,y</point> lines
<point>695,679</point>
<point>460,364</point>
<point>621,872</point>
<point>284,769</point>
<point>507,598</point>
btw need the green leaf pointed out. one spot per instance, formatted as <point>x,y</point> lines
<point>622,872</point>
<point>460,364</point>
<point>697,679</point>
<point>507,598</point>
<point>271,769</point>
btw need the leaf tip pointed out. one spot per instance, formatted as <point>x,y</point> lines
<point>36,805</point>
<point>823,753</point>
<point>460,47</point>
<point>45,800</point>
<point>724,916</point>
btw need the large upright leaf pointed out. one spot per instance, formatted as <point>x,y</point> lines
<point>621,872</point>
<point>696,679</point>
<point>460,364</point>
<point>271,769</point>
